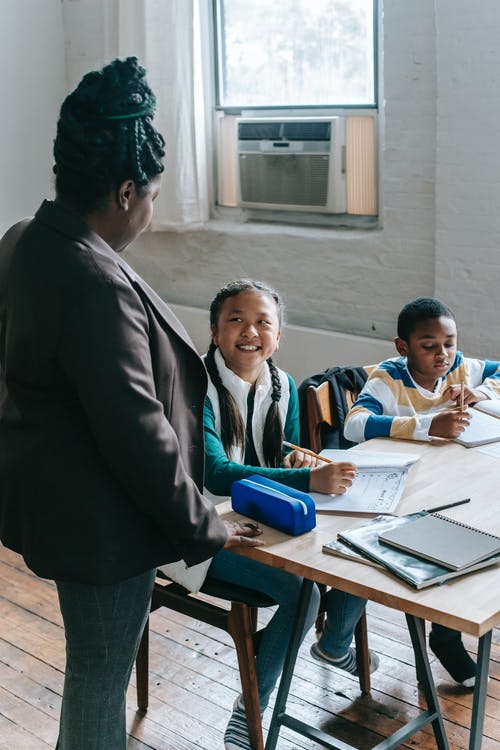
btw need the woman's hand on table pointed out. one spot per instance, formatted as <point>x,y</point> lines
<point>240,534</point>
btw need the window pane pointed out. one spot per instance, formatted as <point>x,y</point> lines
<point>296,52</point>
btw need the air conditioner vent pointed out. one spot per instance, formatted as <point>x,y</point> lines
<point>306,131</point>
<point>258,131</point>
<point>295,164</point>
<point>287,179</point>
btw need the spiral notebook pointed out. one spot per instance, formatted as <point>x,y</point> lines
<point>443,541</point>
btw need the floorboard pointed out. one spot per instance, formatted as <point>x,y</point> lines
<point>194,680</point>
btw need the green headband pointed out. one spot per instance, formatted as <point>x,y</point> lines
<point>128,116</point>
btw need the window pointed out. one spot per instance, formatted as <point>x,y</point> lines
<point>295,53</point>
<point>296,98</point>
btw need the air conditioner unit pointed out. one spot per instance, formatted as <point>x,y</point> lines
<point>292,164</point>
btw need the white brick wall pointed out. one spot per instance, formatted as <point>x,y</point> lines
<point>32,84</point>
<point>468,169</point>
<point>439,180</point>
<point>302,351</point>
<point>349,281</point>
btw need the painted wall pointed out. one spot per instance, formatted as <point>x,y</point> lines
<point>32,86</point>
<point>302,351</point>
<point>468,169</point>
<point>349,281</point>
<point>440,66</point>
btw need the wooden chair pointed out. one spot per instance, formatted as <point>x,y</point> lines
<point>239,619</point>
<point>319,413</point>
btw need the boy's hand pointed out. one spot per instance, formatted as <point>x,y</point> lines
<point>299,460</point>
<point>449,424</point>
<point>332,479</point>
<point>452,393</point>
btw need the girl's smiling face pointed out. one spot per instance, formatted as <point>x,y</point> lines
<point>247,332</point>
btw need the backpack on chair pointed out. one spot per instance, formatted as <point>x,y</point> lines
<point>340,379</point>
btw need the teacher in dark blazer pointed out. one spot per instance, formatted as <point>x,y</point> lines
<point>101,402</point>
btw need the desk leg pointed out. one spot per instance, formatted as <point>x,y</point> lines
<point>291,658</point>
<point>480,688</point>
<point>416,627</point>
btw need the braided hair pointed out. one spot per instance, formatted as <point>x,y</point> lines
<point>232,426</point>
<point>105,136</point>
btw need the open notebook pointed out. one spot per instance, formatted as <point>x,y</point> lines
<point>378,486</point>
<point>483,428</point>
<point>490,406</point>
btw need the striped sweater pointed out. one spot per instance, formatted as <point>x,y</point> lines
<point>392,405</point>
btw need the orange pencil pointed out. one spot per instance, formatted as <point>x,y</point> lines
<point>462,388</point>
<point>309,453</point>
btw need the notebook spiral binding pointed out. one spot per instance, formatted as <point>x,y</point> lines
<point>465,525</point>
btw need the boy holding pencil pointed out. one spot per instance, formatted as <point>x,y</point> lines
<point>424,393</point>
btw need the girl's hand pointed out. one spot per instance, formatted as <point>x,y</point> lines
<point>332,479</point>
<point>449,424</point>
<point>452,393</point>
<point>242,534</point>
<point>299,460</point>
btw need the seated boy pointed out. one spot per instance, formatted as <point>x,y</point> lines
<point>416,396</point>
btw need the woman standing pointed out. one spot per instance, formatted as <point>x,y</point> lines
<point>101,402</point>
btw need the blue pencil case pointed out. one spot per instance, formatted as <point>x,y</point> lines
<point>274,504</point>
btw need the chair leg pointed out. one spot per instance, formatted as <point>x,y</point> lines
<point>254,618</point>
<point>241,631</point>
<point>363,654</point>
<point>321,617</point>
<point>142,670</point>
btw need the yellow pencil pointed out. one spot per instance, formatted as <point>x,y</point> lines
<point>462,395</point>
<point>309,453</point>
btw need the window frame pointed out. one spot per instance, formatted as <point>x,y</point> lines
<point>232,211</point>
<point>294,109</point>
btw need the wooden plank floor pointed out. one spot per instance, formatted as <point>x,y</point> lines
<point>194,680</point>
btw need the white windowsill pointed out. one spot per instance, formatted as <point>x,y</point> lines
<point>254,221</point>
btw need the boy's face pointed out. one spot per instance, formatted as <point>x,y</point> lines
<point>430,350</point>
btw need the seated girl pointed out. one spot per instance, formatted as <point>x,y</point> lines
<point>251,407</point>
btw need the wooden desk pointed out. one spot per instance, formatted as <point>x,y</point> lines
<point>444,473</point>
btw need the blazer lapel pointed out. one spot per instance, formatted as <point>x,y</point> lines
<point>161,308</point>
<point>67,223</point>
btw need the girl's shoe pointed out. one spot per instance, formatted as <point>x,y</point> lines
<point>236,734</point>
<point>346,662</point>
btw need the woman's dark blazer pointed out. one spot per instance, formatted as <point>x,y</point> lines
<point>101,412</point>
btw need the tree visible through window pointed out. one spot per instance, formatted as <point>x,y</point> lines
<point>296,53</point>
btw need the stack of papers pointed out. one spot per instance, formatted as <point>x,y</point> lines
<point>414,570</point>
<point>378,485</point>
<point>374,460</point>
<point>443,541</point>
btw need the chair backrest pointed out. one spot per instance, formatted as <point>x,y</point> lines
<point>320,411</point>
